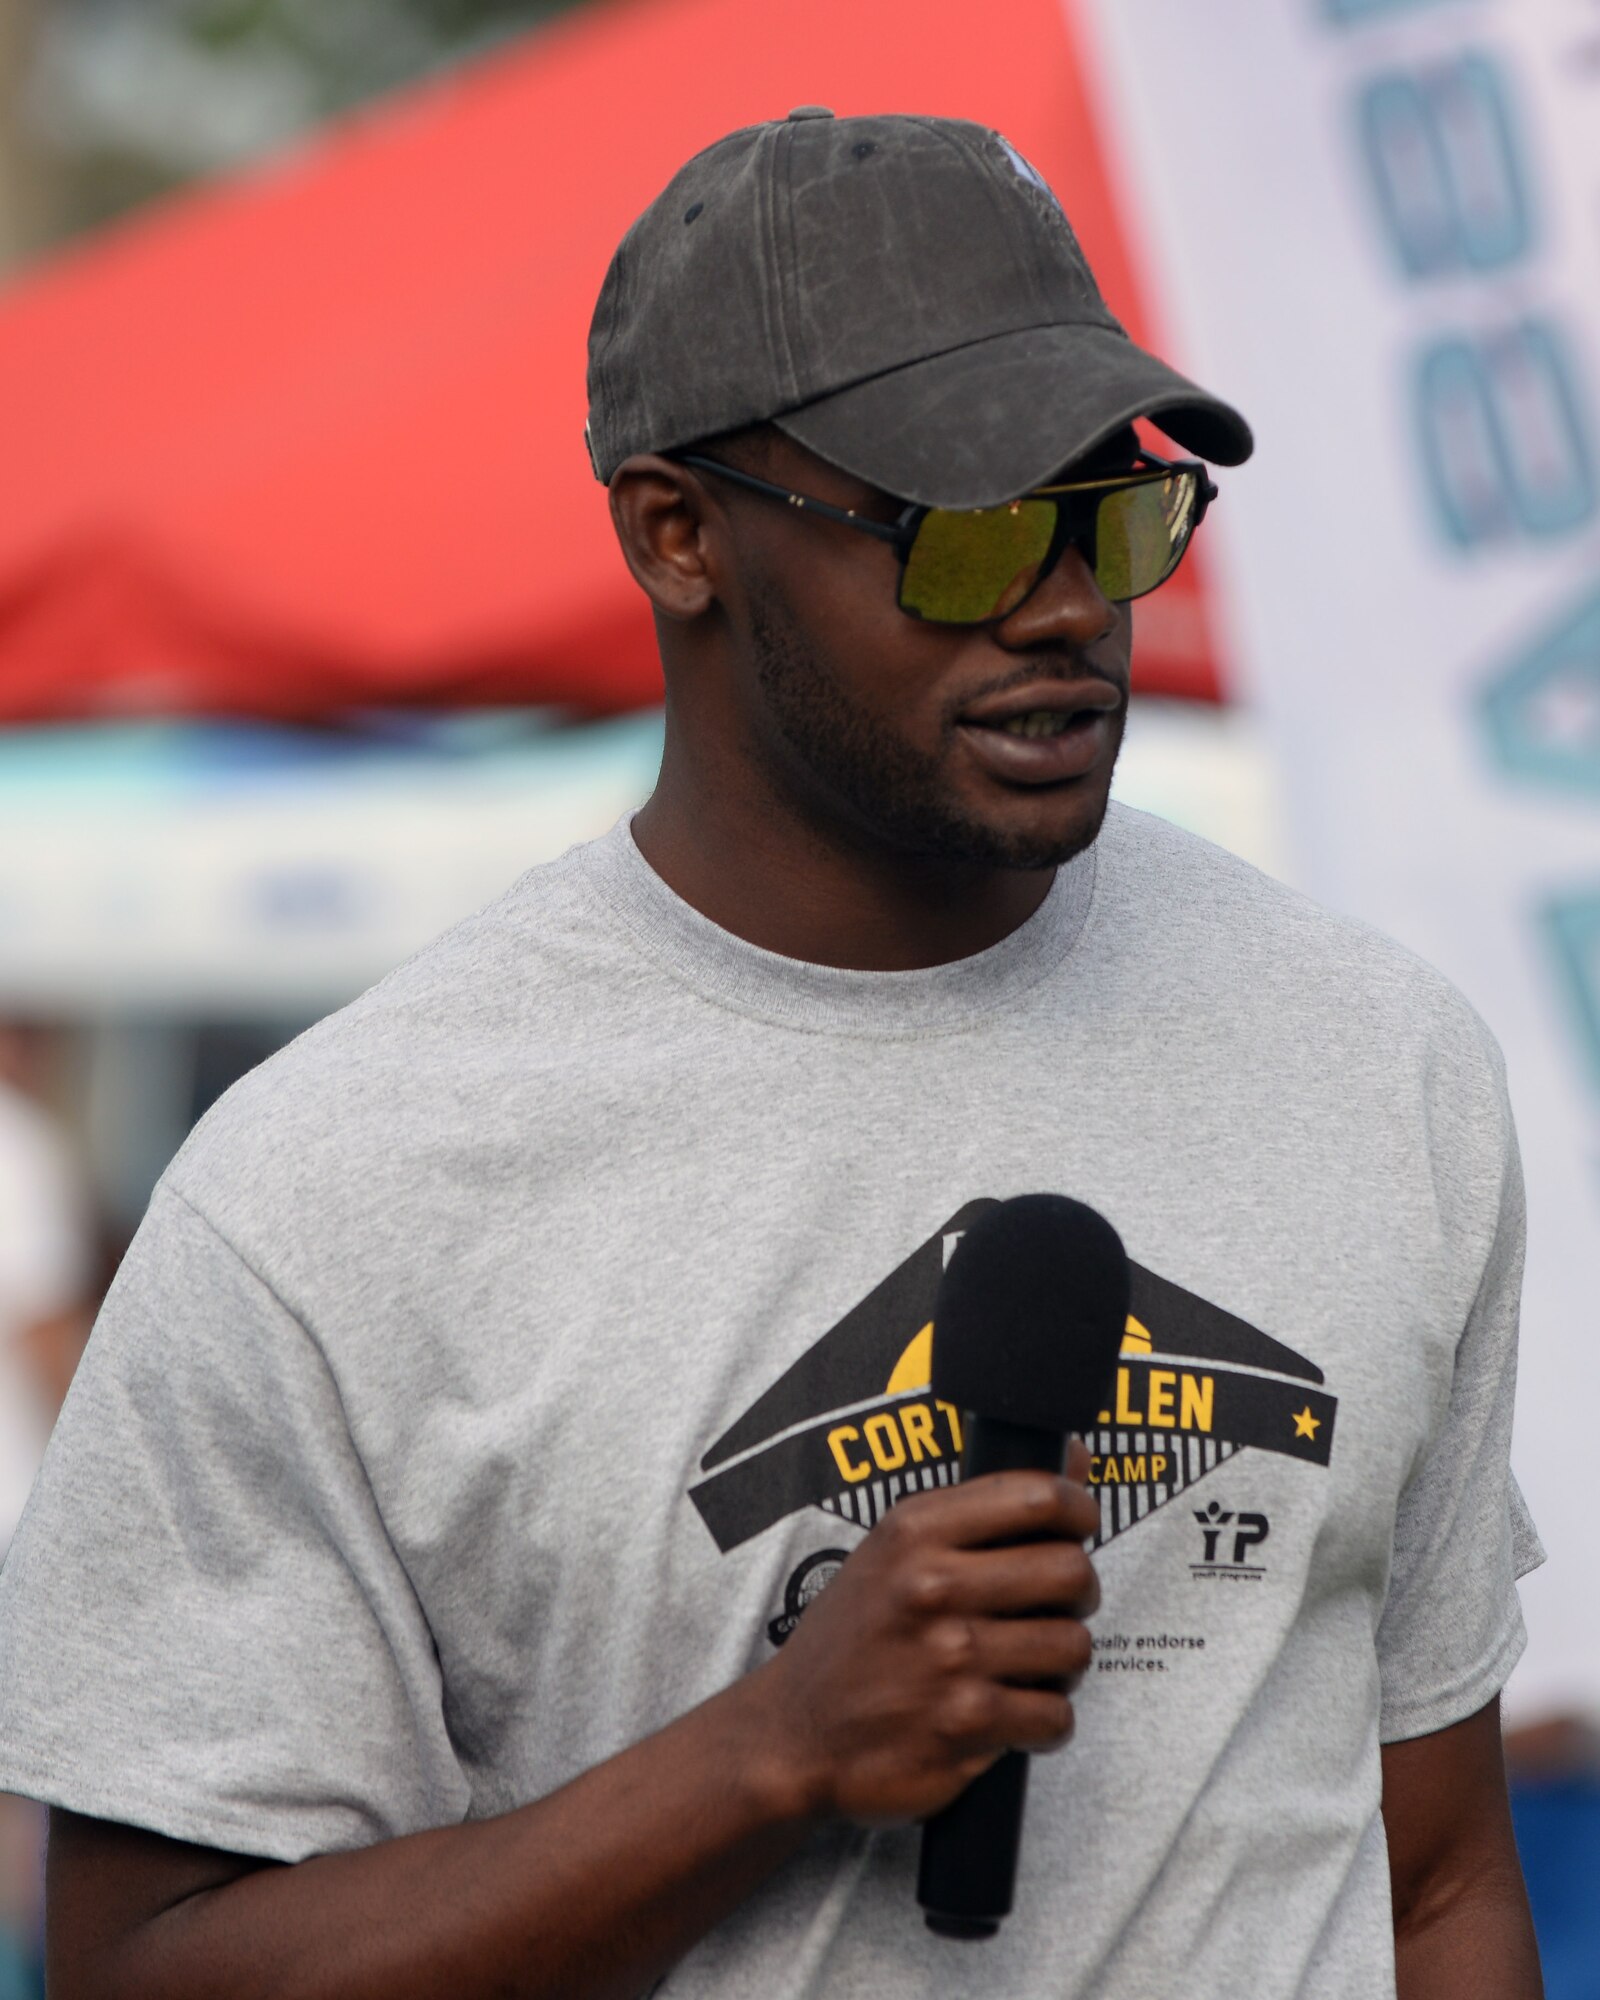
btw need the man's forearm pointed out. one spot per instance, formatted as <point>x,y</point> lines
<point>1477,1944</point>
<point>952,1634</point>
<point>1462,1930</point>
<point>594,1891</point>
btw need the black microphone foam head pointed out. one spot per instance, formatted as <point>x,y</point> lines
<point>1030,1314</point>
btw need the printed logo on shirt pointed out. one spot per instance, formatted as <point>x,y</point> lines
<point>851,1427</point>
<point>1229,1542</point>
<point>809,1581</point>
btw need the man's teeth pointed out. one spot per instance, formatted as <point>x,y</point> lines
<point>1038,722</point>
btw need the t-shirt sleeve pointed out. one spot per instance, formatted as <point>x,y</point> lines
<point>1452,1627</point>
<point>204,1628</point>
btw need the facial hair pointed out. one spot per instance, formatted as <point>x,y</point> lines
<point>889,790</point>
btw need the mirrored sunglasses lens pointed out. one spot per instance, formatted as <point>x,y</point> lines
<point>966,567</point>
<point>1140,532</point>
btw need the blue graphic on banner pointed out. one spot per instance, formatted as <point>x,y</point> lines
<point>1543,713</point>
<point>1572,927</point>
<point>1371,10</point>
<point>1505,437</point>
<point>309,897</point>
<point>1445,166</point>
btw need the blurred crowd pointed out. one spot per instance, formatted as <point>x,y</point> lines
<point>52,1262</point>
<point>73,1181</point>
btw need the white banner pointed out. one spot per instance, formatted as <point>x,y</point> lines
<point>1376,223</point>
<point>211,871</point>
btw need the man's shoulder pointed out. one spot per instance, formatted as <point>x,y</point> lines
<point>1230,934</point>
<point>427,1053</point>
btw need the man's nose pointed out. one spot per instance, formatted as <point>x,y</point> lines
<point>1068,607</point>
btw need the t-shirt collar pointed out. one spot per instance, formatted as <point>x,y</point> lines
<point>794,993</point>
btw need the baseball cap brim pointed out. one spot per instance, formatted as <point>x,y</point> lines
<point>983,423</point>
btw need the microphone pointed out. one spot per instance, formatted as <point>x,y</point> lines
<point>1028,1323</point>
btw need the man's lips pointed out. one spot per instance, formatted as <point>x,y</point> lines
<point>1079,713</point>
<point>1052,697</point>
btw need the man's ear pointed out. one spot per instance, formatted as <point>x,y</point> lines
<point>661,513</point>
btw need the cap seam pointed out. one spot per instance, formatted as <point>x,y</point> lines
<point>958,347</point>
<point>975,157</point>
<point>780,223</point>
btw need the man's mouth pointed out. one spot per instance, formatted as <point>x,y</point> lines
<point>1042,734</point>
<point>1039,722</point>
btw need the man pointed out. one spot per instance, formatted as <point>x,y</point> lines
<point>502,1541</point>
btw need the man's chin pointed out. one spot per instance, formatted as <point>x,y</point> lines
<point>992,843</point>
<point>1009,827</point>
<point>1032,852</point>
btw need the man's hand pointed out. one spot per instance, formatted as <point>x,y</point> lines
<point>952,1634</point>
<point>937,1647</point>
<point>1461,1925</point>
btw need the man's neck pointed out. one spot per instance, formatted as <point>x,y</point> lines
<point>788,887</point>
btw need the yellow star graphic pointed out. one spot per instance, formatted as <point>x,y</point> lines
<point>1305,1425</point>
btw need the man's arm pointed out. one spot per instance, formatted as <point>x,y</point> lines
<point>951,1634</point>
<point>1462,1930</point>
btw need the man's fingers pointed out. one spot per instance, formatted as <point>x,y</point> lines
<point>1010,1718</point>
<point>1043,1720</point>
<point>1038,1576</point>
<point>1001,1507</point>
<point>1048,1652</point>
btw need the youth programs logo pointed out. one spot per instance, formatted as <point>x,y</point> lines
<point>851,1427</point>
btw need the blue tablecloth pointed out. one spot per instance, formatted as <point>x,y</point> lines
<point>1558,1831</point>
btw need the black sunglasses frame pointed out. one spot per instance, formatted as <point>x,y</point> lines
<point>1075,524</point>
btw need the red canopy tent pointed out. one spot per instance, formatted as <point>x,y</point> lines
<point>311,439</point>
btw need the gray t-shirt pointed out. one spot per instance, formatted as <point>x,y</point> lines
<point>501,1370</point>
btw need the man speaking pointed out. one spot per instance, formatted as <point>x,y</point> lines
<point>504,1539</point>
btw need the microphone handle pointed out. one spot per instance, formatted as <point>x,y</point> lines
<point>968,1869</point>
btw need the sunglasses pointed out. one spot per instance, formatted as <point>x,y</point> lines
<point>976,565</point>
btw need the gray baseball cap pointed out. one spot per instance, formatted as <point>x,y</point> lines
<point>903,295</point>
